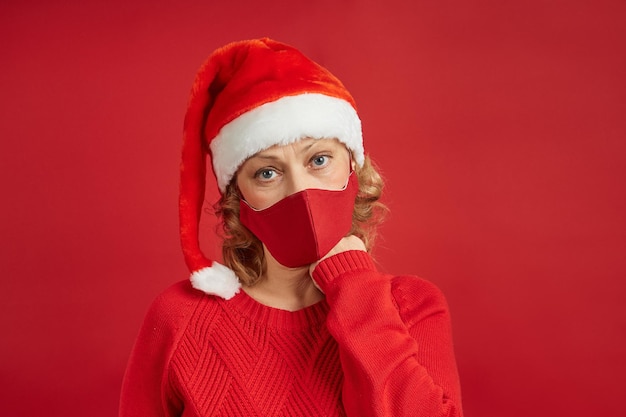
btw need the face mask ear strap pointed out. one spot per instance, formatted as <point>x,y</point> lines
<point>352,162</point>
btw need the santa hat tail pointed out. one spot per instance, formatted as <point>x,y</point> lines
<point>207,275</point>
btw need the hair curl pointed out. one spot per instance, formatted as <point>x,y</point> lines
<point>243,251</point>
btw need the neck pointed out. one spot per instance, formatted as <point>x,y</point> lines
<point>285,288</point>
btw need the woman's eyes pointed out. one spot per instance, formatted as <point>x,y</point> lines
<point>268,174</point>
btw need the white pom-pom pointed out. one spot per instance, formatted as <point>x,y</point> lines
<point>216,280</point>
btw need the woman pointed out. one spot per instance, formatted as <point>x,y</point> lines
<point>299,322</point>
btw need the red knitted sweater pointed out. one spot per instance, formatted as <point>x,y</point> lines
<point>377,346</point>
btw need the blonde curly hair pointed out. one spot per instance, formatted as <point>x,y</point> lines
<point>243,251</point>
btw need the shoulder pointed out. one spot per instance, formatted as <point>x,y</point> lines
<point>172,309</point>
<point>417,298</point>
<point>177,298</point>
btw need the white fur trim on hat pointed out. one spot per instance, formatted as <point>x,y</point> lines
<point>281,122</point>
<point>216,280</point>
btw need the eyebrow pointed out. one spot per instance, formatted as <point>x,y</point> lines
<point>306,148</point>
<point>268,157</point>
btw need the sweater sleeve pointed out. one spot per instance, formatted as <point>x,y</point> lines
<point>394,338</point>
<point>147,389</point>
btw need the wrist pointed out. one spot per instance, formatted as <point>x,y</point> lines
<point>329,269</point>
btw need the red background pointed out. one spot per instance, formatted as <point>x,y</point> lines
<point>499,126</point>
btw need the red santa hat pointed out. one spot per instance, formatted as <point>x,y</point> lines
<point>247,97</point>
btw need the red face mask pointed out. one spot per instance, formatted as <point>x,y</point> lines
<point>301,228</point>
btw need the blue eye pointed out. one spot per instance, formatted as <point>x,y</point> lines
<point>266,174</point>
<point>320,160</point>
